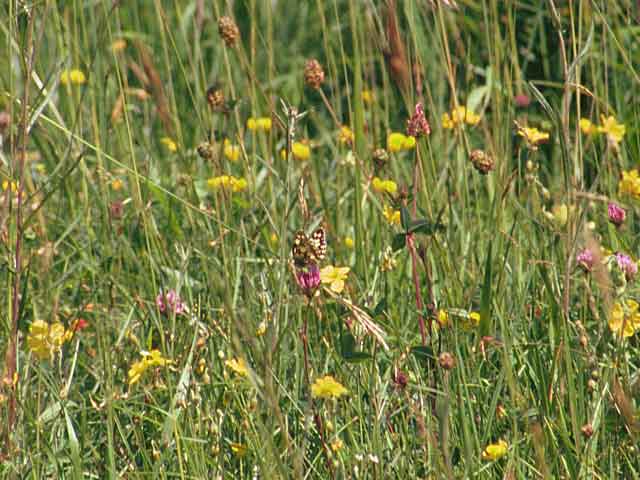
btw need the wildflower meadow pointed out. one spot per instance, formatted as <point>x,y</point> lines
<point>324,239</point>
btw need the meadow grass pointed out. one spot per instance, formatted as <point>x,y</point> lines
<point>167,170</point>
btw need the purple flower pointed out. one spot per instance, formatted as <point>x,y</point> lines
<point>170,301</point>
<point>628,266</point>
<point>418,125</point>
<point>616,214</point>
<point>585,259</point>
<point>308,279</point>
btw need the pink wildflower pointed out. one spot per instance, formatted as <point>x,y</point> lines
<point>585,259</point>
<point>616,214</point>
<point>418,125</point>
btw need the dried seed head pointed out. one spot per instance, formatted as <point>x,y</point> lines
<point>482,161</point>
<point>313,74</point>
<point>215,98</point>
<point>446,361</point>
<point>587,430</point>
<point>228,31</point>
<point>205,150</point>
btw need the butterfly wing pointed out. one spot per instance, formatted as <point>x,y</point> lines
<point>318,243</point>
<point>300,249</point>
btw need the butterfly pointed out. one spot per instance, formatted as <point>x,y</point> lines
<point>307,250</point>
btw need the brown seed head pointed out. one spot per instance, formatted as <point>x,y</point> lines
<point>313,74</point>
<point>205,150</point>
<point>228,31</point>
<point>482,161</point>
<point>215,98</point>
<point>446,361</point>
<point>587,430</point>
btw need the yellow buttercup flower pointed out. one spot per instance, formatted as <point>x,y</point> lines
<point>533,136</point>
<point>116,184</point>
<point>259,124</point>
<point>495,451</point>
<point>345,135</point>
<point>624,319</point>
<point>443,318</point>
<point>587,127</point>
<point>238,365</point>
<point>169,144</point>
<point>45,340</point>
<point>368,97</point>
<point>327,387</point>
<point>335,277</point>
<point>300,151</point>
<point>392,216</point>
<point>630,183</point>
<point>149,359</point>
<point>397,142</point>
<point>382,186</point>
<point>231,152</point>
<point>228,182</point>
<point>348,242</point>
<point>459,116</point>
<point>73,77</point>
<point>614,130</point>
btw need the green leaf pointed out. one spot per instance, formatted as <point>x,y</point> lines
<point>398,242</point>
<point>423,225</point>
<point>348,349</point>
<point>423,353</point>
<point>380,307</point>
<point>405,218</point>
<point>485,298</point>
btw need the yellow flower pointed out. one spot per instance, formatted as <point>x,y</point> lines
<point>587,127</point>
<point>238,449</point>
<point>443,318</point>
<point>149,359</point>
<point>232,152</point>
<point>45,340</point>
<point>345,135</point>
<point>392,216</point>
<point>614,130</point>
<point>459,116</point>
<point>630,183</point>
<point>348,242</point>
<point>473,320</point>
<point>300,151</point>
<point>238,365</point>
<point>169,144</point>
<point>368,97</point>
<point>624,319</point>
<point>118,45</point>
<point>227,182</point>
<point>116,184</point>
<point>495,451</point>
<point>327,387</point>
<point>381,186</point>
<point>262,329</point>
<point>257,124</point>
<point>6,185</point>
<point>74,77</point>
<point>334,276</point>
<point>533,136</point>
<point>397,142</point>
<point>337,444</point>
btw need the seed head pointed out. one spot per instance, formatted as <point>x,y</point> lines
<point>205,150</point>
<point>215,98</point>
<point>313,74</point>
<point>418,125</point>
<point>446,361</point>
<point>228,31</point>
<point>482,161</point>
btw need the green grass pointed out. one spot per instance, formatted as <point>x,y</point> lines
<point>110,217</point>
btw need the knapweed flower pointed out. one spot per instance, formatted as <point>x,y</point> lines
<point>227,182</point>
<point>238,366</point>
<point>391,215</point>
<point>384,186</point>
<point>628,266</point>
<point>585,259</point>
<point>149,360</point>
<point>334,276</point>
<point>259,124</point>
<point>495,451</point>
<point>418,125</point>
<point>300,151</point>
<point>73,77</point>
<point>45,340</point>
<point>327,387</point>
<point>231,152</point>
<point>459,116</point>
<point>169,144</point>
<point>616,214</point>
<point>614,130</point>
<point>624,319</point>
<point>170,303</point>
<point>630,183</point>
<point>345,136</point>
<point>308,279</point>
<point>397,142</point>
<point>587,127</point>
<point>533,136</point>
